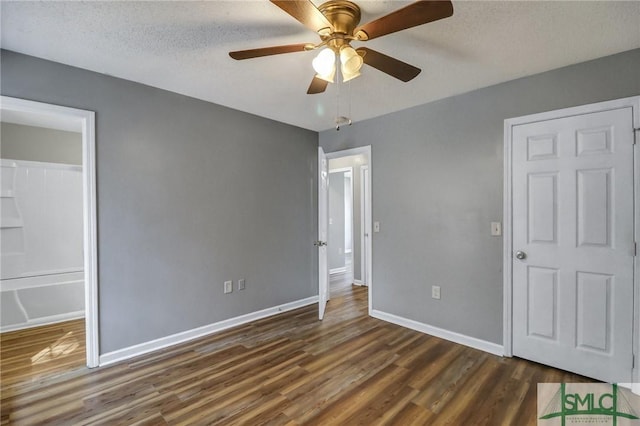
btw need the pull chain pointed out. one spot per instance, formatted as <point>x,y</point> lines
<point>341,120</point>
<point>349,100</point>
<point>337,101</point>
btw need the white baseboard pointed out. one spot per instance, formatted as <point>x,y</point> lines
<point>37,322</point>
<point>185,336</point>
<point>341,270</point>
<point>483,345</point>
<point>359,282</point>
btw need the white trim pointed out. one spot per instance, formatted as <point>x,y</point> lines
<point>630,102</point>
<point>341,170</point>
<point>51,319</point>
<point>8,162</point>
<point>22,283</point>
<point>363,210</point>
<point>185,336</point>
<point>507,245</point>
<point>86,120</point>
<point>452,336</point>
<point>361,150</point>
<point>334,271</point>
<point>358,282</point>
<point>635,375</point>
<point>366,151</point>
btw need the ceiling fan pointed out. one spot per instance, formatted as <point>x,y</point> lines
<point>336,22</point>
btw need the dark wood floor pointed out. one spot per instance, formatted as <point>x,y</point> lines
<point>289,369</point>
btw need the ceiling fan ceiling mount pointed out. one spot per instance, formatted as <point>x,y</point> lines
<point>343,15</point>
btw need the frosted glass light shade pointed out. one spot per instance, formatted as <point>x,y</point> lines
<point>346,76</point>
<point>327,77</point>
<point>350,60</point>
<point>325,62</point>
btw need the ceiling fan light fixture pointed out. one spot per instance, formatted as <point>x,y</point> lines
<point>346,76</point>
<point>350,60</point>
<point>329,76</point>
<point>325,62</point>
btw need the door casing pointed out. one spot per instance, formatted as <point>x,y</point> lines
<point>366,151</point>
<point>86,121</point>
<point>634,103</point>
<point>365,224</point>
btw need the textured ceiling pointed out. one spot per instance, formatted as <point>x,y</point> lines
<point>182,47</point>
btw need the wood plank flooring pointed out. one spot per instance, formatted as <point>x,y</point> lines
<point>290,369</point>
<point>34,353</point>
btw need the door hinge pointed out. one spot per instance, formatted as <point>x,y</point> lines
<point>635,249</point>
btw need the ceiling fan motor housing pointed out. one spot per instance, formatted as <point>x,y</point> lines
<point>344,17</point>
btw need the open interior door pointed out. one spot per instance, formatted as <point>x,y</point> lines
<point>323,227</point>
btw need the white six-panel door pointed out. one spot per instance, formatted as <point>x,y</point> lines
<point>573,243</point>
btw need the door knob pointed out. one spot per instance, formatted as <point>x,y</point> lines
<point>319,243</point>
<point>521,255</point>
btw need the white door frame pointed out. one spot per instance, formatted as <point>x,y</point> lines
<point>365,151</point>
<point>634,103</point>
<point>365,201</point>
<point>85,120</point>
<point>323,233</point>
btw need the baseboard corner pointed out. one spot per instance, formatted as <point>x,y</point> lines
<point>452,336</point>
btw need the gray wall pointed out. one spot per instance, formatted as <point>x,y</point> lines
<point>335,249</point>
<point>28,143</point>
<point>190,194</point>
<point>437,184</point>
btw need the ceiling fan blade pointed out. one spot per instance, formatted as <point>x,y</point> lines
<point>387,64</point>
<point>305,12</point>
<point>418,13</point>
<point>317,85</point>
<point>267,51</point>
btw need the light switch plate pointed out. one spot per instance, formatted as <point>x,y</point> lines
<point>496,229</point>
<point>435,292</point>
<point>241,284</point>
<point>228,287</point>
<point>376,226</point>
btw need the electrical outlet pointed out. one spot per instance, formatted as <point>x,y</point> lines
<point>228,287</point>
<point>241,284</point>
<point>496,229</point>
<point>376,226</point>
<point>435,292</point>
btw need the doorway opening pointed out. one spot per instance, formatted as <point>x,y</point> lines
<point>348,220</point>
<point>49,255</point>
<point>341,224</point>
